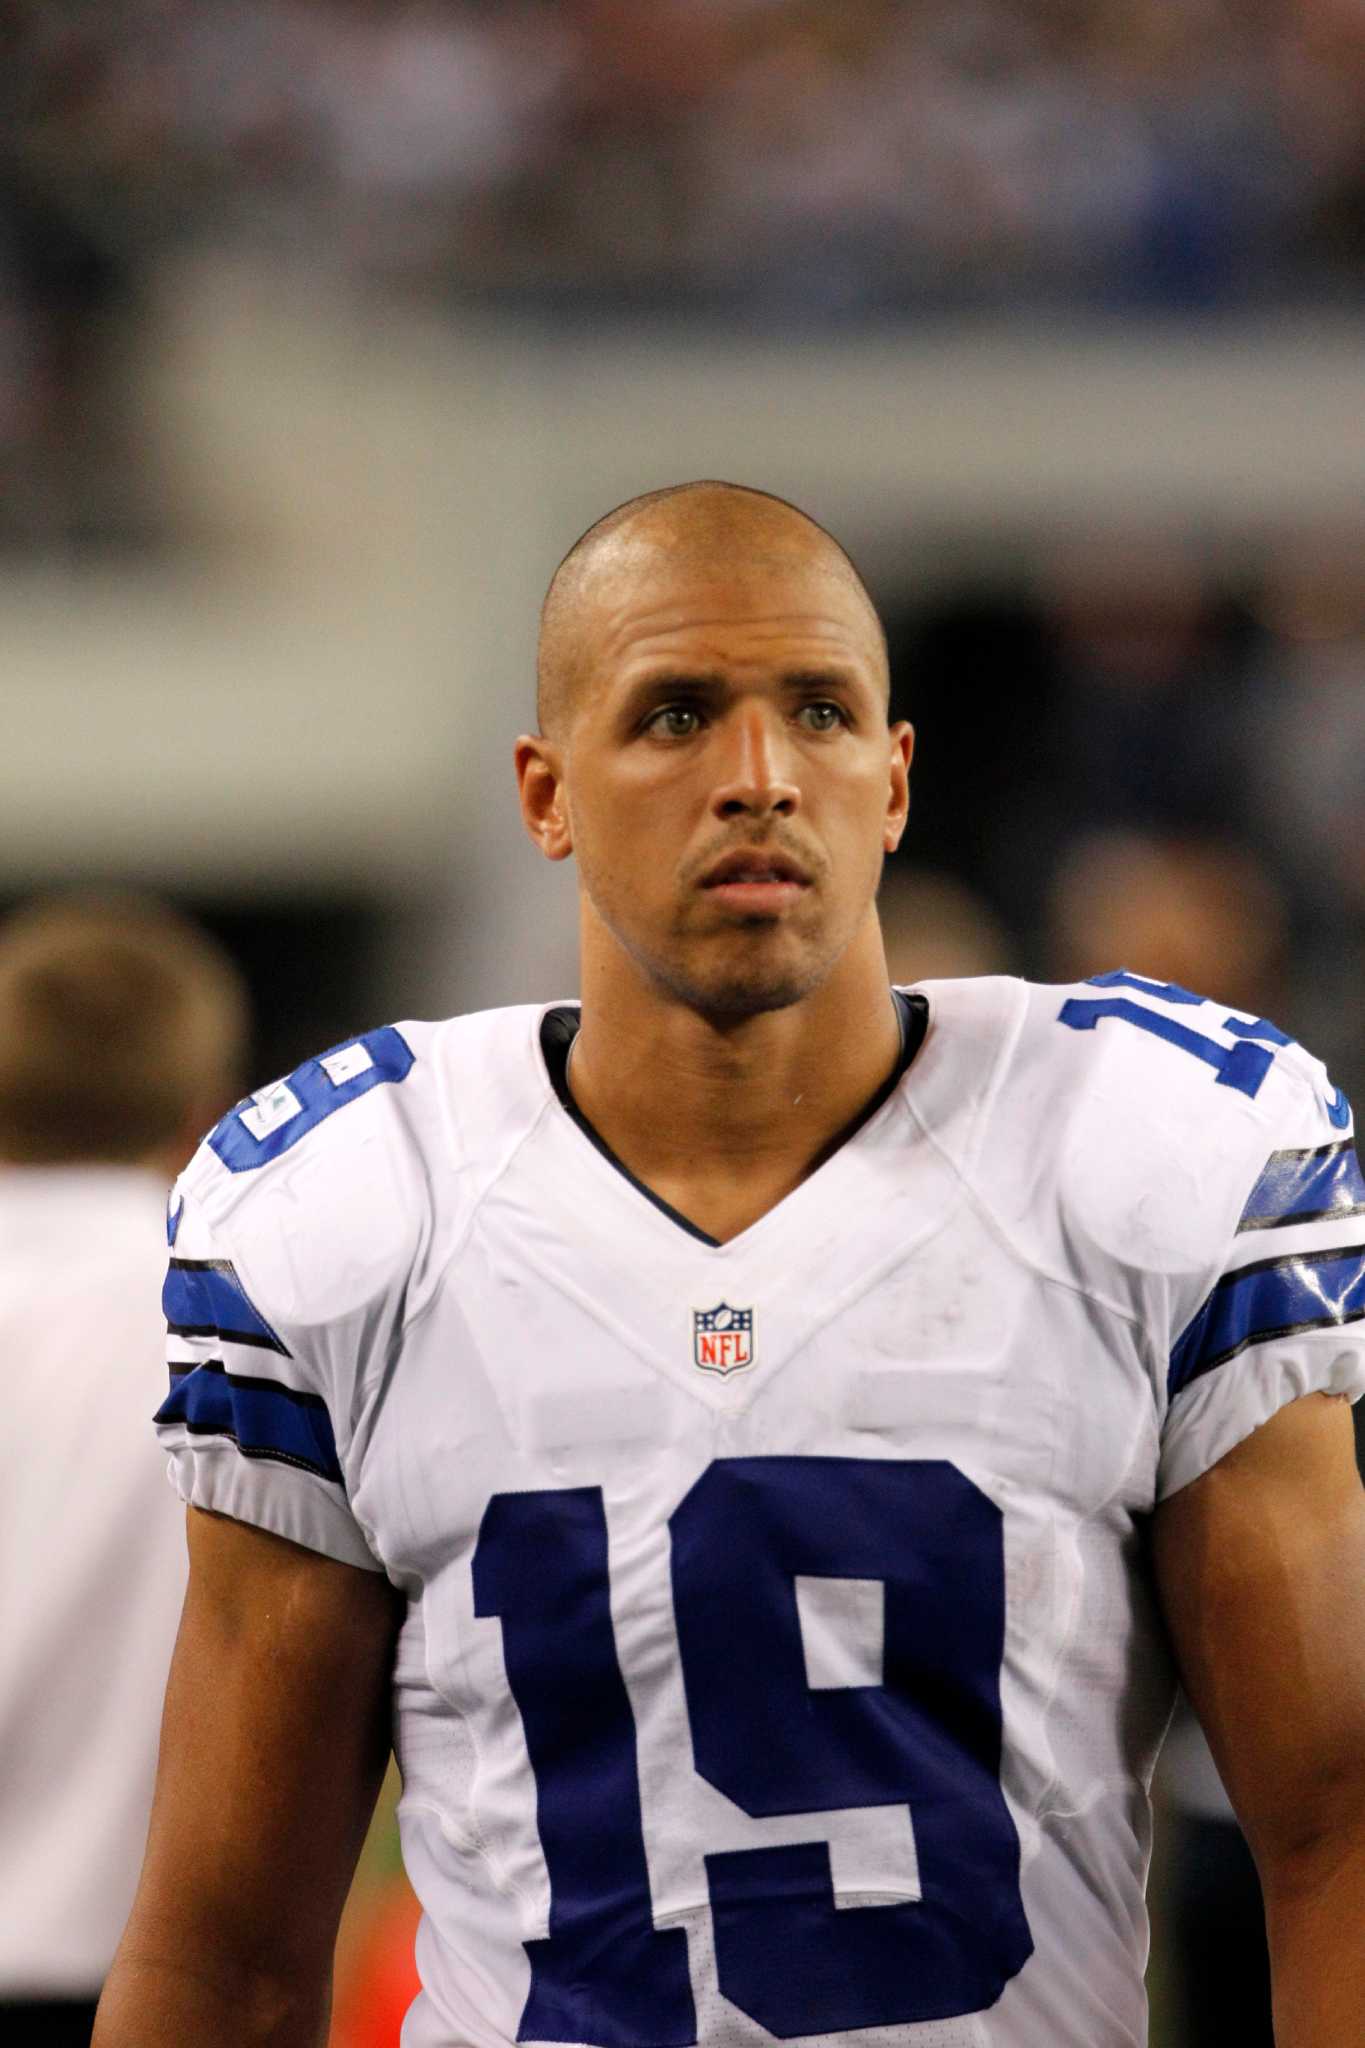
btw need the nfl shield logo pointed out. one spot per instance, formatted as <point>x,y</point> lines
<point>723,1338</point>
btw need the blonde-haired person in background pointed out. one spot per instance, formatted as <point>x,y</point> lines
<point>122,1035</point>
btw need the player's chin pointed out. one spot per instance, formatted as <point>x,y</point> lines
<point>732,991</point>
<point>731,1002</point>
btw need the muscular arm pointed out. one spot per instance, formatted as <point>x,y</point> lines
<point>274,1740</point>
<point>1261,1565</point>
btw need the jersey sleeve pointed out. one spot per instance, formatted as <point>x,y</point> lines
<point>247,1420</point>
<point>292,1243</point>
<point>1282,1312</point>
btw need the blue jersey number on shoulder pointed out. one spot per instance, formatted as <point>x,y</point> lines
<point>269,1122</point>
<point>1242,1066</point>
<point>914,1726</point>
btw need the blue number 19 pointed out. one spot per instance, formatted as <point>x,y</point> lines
<point>1242,1066</point>
<point>927,1737</point>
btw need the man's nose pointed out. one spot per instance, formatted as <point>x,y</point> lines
<point>755,769</point>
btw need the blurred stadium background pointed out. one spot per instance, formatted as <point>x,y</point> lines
<point>326,325</point>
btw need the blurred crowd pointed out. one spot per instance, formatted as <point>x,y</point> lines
<point>868,152</point>
<point>789,159</point>
<point>1134,761</point>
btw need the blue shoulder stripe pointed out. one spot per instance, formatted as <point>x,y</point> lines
<point>266,1124</point>
<point>1275,1298</point>
<point>1305,1187</point>
<point>263,1419</point>
<point>204,1298</point>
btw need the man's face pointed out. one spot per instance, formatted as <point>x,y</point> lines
<point>730,781</point>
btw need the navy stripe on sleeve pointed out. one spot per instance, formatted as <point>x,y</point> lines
<point>1275,1298</point>
<point>1306,1187</point>
<point>204,1298</point>
<point>263,1418</point>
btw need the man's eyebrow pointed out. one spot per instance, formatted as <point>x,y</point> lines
<point>669,682</point>
<point>714,681</point>
<point>806,679</point>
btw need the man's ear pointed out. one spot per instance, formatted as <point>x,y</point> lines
<point>540,784</point>
<point>898,799</point>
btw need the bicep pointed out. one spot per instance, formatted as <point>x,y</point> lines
<point>274,1738</point>
<point>1261,1568</point>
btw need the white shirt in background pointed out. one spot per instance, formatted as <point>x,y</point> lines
<point>92,1563</point>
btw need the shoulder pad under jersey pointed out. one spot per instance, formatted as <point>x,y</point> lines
<point>317,1182</point>
<point>1158,1110</point>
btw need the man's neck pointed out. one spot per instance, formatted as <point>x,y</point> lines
<point>723,1119</point>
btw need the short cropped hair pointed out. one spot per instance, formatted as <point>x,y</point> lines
<point>715,507</point>
<point>120,1022</point>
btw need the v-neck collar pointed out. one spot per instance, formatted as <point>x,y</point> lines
<point>559,1028</point>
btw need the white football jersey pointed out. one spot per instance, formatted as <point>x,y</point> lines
<point>781,1658</point>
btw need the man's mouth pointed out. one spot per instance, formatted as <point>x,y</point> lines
<point>755,879</point>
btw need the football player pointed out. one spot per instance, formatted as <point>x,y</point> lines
<point>756,1434</point>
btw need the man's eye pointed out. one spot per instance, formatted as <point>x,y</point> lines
<point>821,717</point>
<point>674,721</point>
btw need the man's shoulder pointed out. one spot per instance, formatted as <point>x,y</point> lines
<point>1136,1115</point>
<point>1164,1058</point>
<point>402,1073</point>
<point>328,1183</point>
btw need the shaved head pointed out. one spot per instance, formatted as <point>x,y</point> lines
<point>713,686</point>
<point>702,528</point>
